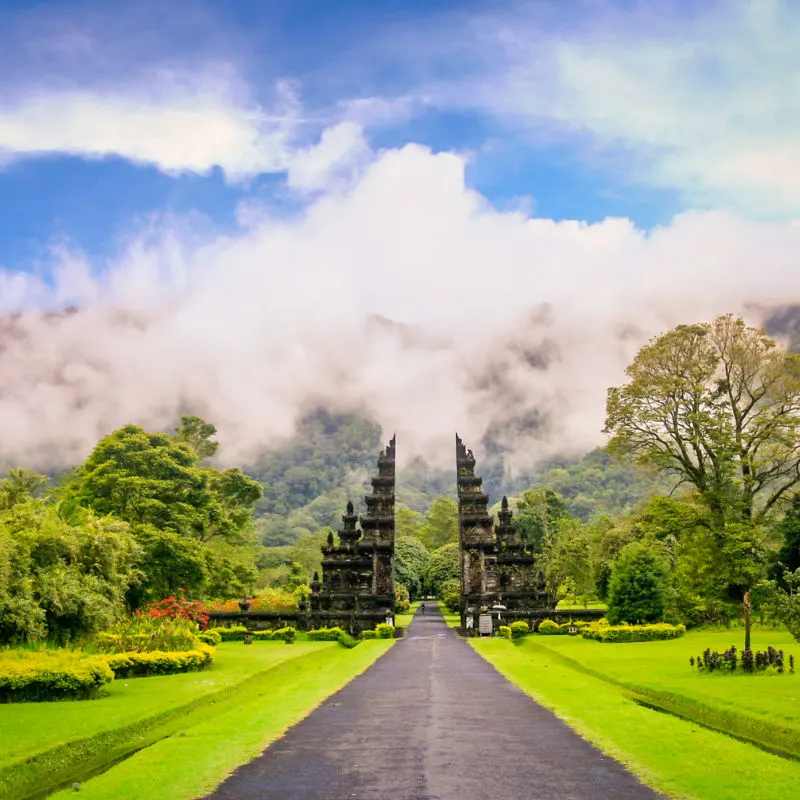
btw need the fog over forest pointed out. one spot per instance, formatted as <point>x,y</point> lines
<point>402,295</point>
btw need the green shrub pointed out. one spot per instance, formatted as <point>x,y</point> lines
<point>142,665</point>
<point>144,634</point>
<point>633,633</point>
<point>549,628</point>
<point>263,636</point>
<point>31,676</point>
<point>368,634</point>
<point>402,599</point>
<point>209,637</point>
<point>638,587</point>
<point>383,630</point>
<point>325,634</point>
<point>519,629</point>
<point>286,634</point>
<point>233,634</point>
<point>504,631</point>
<point>450,594</point>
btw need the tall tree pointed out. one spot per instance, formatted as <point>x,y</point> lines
<point>441,524</point>
<point>196,433</point>
<point>718,405</point>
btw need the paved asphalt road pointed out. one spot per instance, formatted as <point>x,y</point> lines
<point>431,720</point>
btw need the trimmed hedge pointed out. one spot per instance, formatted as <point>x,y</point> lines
<point>27,676</point>
<point>368,634</point>
<point>210,637</point>
<point>233,634</point>
<point>156,662</point>
<point>633,633</point>
<point>287,635</point>
<point>325,634</point>
<point>519,629</point>
<point>504,631</point>
<point>549,628</point>
<point>383,630</point>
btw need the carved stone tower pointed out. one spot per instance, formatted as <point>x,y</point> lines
<point>476,537</point>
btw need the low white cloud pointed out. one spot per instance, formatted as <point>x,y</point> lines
<point>406,295</point>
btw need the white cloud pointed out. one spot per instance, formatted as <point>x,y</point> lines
<point>406,295</point>
<point>340,150</point>
<point>703,99</point>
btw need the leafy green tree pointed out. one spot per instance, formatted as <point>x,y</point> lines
<point>638,586</point>
<point>297,576</point>
<point>538,513</point>
<point>566,561</point>
<point>197,434</point>
<point>445,564</point>
<point>441,524</point>
<point>450,593</point>
<point>152,479</point>
<point>789,530</point>
<point>407,522</point>
<point>20,485</point>
<point>718,406</point>
<point>169,561</point>
<point>411,559</point>
<point>62,579</point>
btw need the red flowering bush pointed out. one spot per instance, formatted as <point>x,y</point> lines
<point>179,606</point>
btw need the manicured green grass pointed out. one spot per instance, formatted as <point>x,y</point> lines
<point>30,728</point>
<point>251,695</point>
<point>661,669</point>
<point>564,606</point>
<point>673,755</point>
<point>187,766</point>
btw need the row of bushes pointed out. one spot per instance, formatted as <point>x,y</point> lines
<point>236,633</point>
<point>548,627</point>
<point>31,676</point>
<point>633,633</point>
<point>156,662</point>
<point>516,630</point>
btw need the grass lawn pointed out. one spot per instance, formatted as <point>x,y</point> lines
<point>593,686</point>
<point>71,739</point>
<point>404,620</point>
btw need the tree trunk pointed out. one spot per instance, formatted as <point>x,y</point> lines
<point>747,609</point>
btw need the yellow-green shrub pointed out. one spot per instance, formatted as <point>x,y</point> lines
<point>504,631</point>
<point>549,628</point>
<point>143,634</point>
<point>633,633</point>
<point>383,630</point>
<point>233,634</point>
<point>156,662</point>
<point>519,629</point>
<point>51,675</point>
<point>368,634</point>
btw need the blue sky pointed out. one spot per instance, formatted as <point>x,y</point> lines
<point>448,215</point>
<point>547,101</point>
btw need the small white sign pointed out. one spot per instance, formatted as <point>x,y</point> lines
<point>485,625</point>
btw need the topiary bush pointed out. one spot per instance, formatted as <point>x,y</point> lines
<point>519,629</point>
<point>383,630</point>
<point>262,636</point>
<point>633,633</point>
<point>233,634</point>
<point>286,634</point>
<point>549,628</point>
<point>142,665</point>
<point>143,634</point>
<point>368,634</point>
<point>504,631</point>
<point>210,637</point>
<point>31,676</point>
<point>325,634</point>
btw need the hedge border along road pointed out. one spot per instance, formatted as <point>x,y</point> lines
<point>297,683</point>
<point>674,755</point>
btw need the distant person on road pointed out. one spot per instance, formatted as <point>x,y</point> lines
<point>422,608</point>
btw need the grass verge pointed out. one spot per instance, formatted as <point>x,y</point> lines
<point>675,756</point>
<point>155,711</point>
